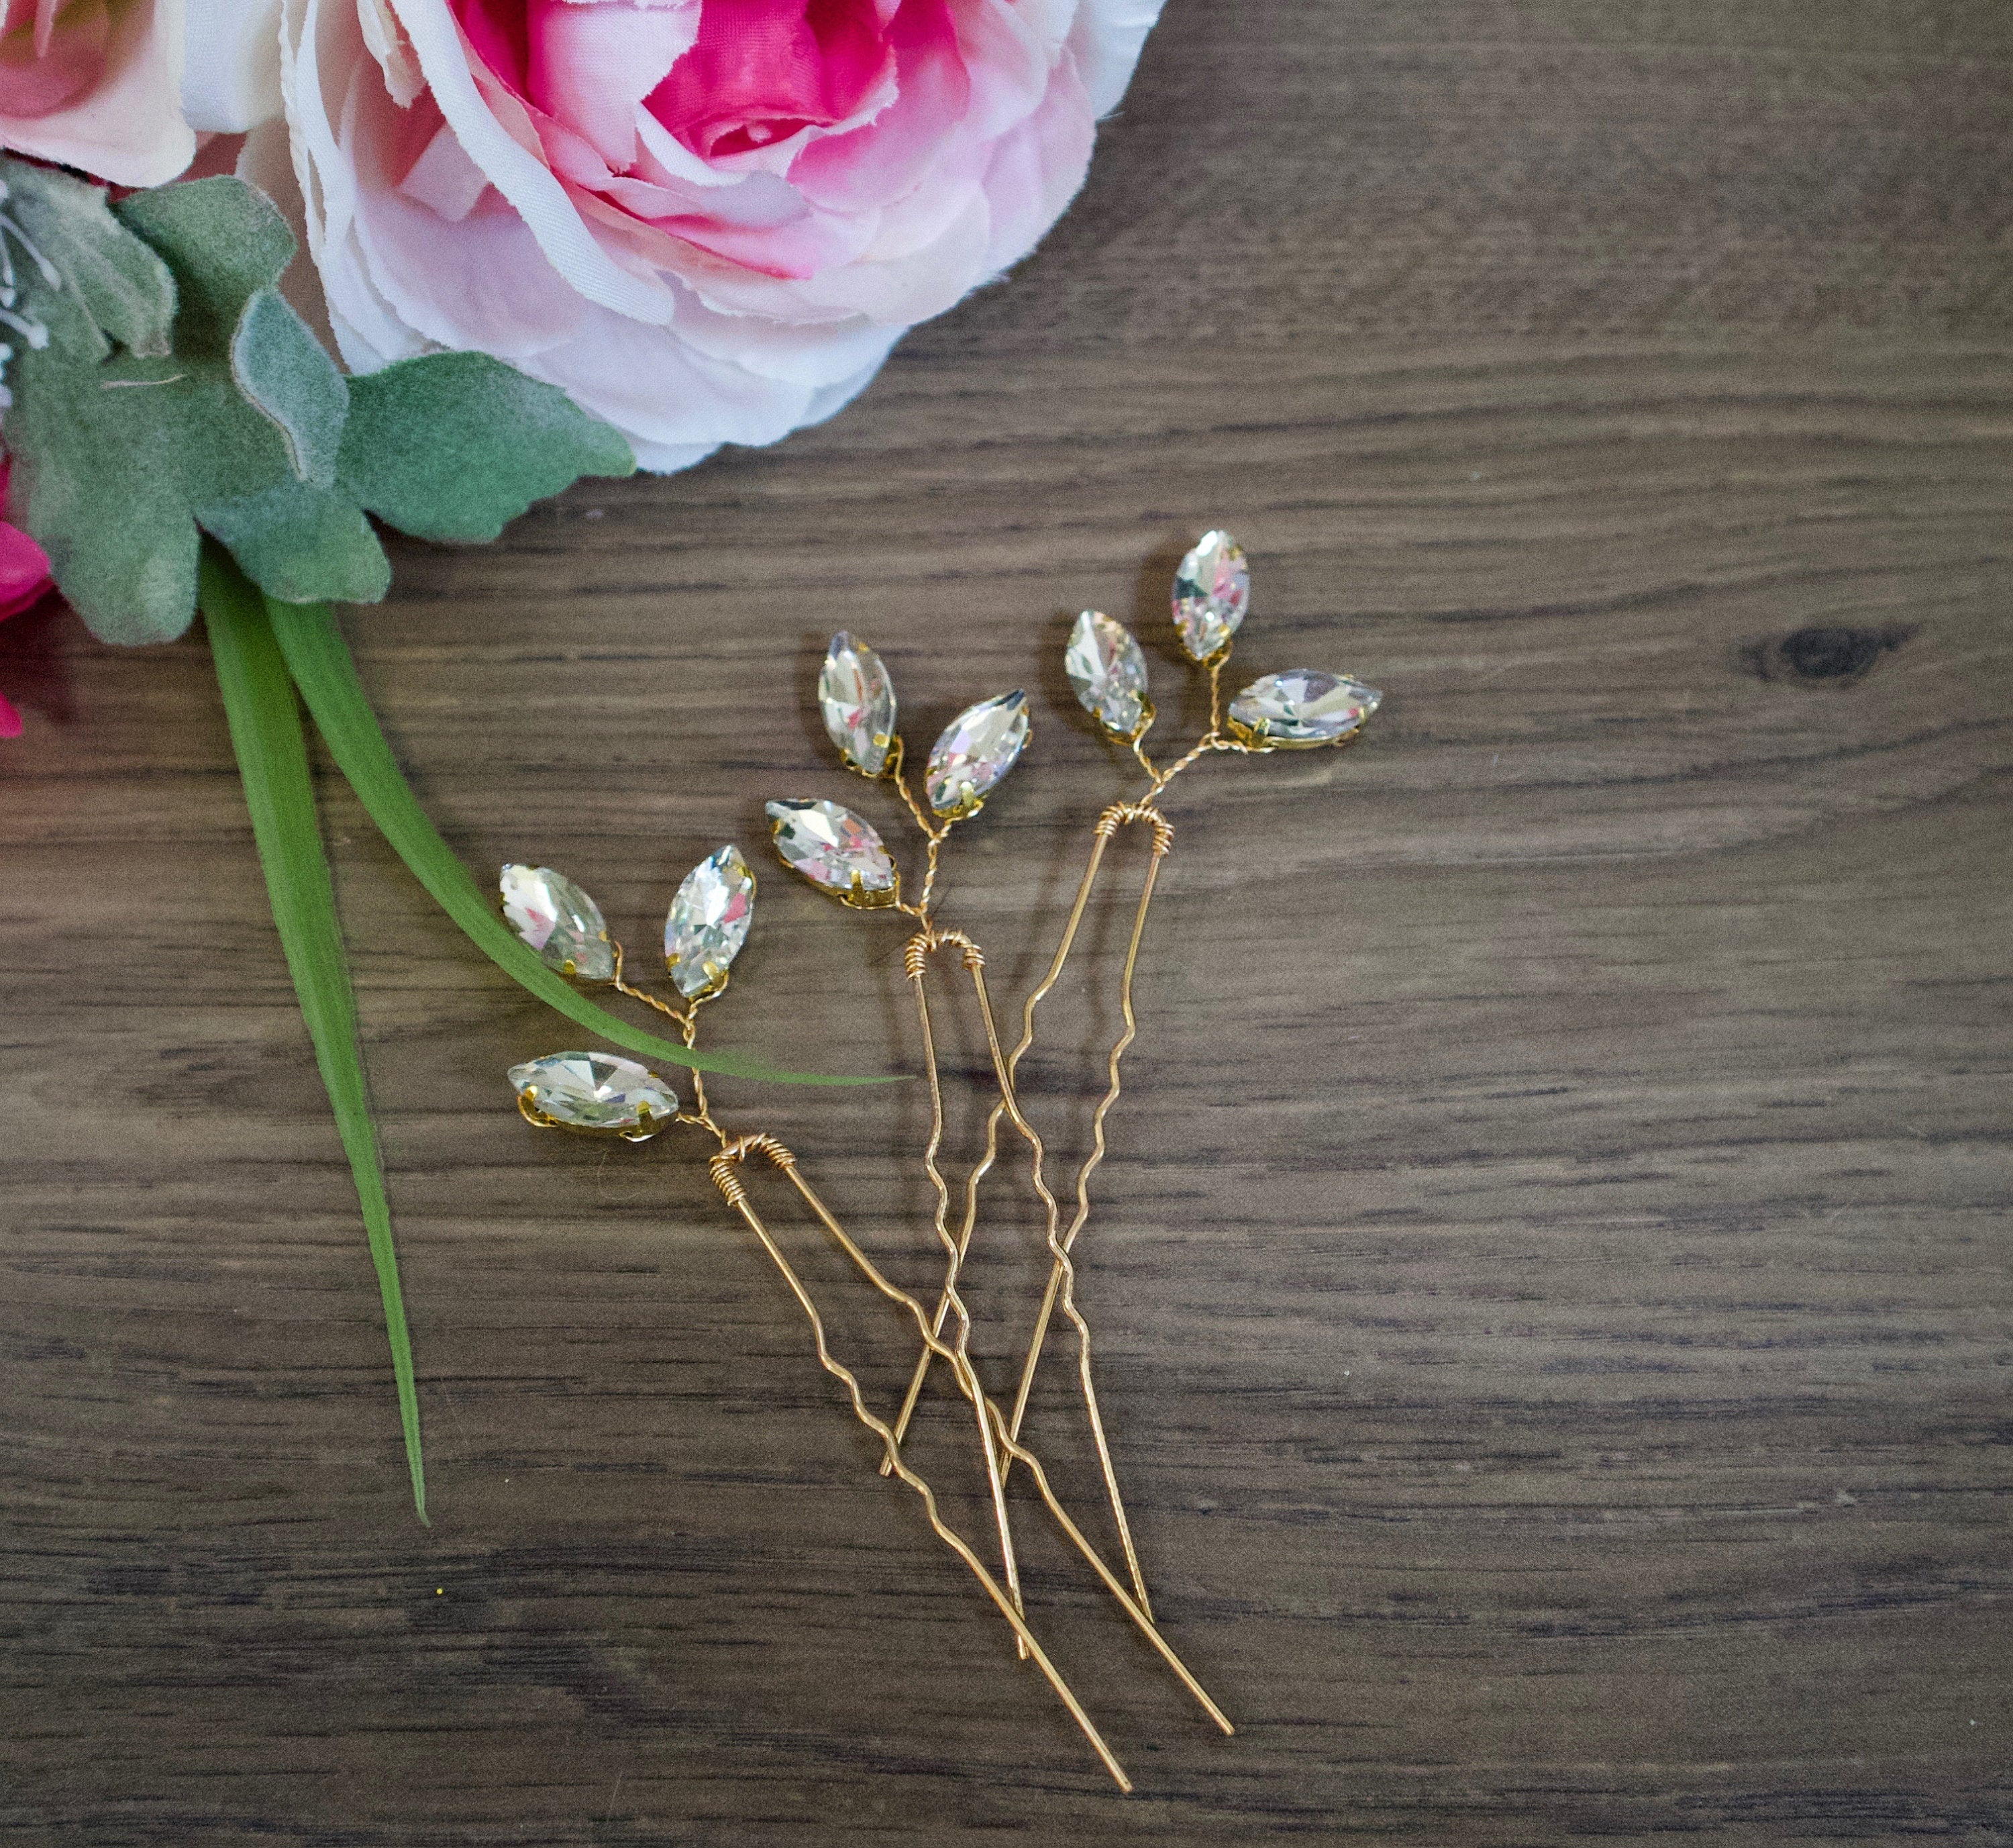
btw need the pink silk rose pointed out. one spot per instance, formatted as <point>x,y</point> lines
<point>95,84</point>
<point>24,580</point>
<point>707,220</point>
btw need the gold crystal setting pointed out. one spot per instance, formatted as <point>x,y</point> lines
<point>708,923</point>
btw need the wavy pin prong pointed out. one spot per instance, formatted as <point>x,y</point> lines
<point>1295,710</point>
<point>601,1094</point>
<point>1061,1270</point>
<point>724,1167</point>
<point>780,1157</point>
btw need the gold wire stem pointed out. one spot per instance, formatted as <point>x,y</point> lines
<point>1138,743</point>
<point>688,1019</point>
<point>1107,825</point>
<point>916,957</point>
<point>731,1186</point>
<point>1211,740</point>
<point>781,1157</point>
<point>1037,1157</point>
<point>933,831</point>
<point>1091,1162</point>
<point>1202,746</point>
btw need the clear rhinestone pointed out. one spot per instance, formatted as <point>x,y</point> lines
<point>1212,590</point>
<point>559,921</point>
<point>1109,672</point>
<point>834,847</point>
<point>978,747</point>
<point>1300,708</point>
<point>858,699</point>
<point>709,921</point>
<point>596,1091</point>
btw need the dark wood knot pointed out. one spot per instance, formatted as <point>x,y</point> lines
<point>1836,653</point>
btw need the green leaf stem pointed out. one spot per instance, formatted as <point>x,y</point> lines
<point>327,677</point>
<point>266,731</point>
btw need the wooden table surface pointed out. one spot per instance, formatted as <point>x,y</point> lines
<point>1551,1276</point>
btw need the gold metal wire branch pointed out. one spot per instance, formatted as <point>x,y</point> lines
<point>1163,836</point>
<point>687,1021</point>
<point>781,1157</point>
<point>723,1167</point>
<point>1118,815</point>
<point>915,958</point>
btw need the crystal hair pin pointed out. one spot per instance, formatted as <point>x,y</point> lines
<point>844,856</point>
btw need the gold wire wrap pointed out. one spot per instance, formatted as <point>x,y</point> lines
<point>724,1168</point>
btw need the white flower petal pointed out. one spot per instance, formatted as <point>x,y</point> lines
<point>130,129</point>
<point>230,78</point>
<point>1106,41</point>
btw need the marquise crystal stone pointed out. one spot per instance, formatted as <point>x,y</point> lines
<point>978,747</point>
<point>596,1091</point>
<point>559,921</point>
<point>834,847</point>
<point>1300,708</point>
<point>858,700</point>
<point>1212,592</point>
<point>1108,671</point>
<point>709,921</point>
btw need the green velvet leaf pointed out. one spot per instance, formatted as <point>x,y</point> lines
<point>225,240</point>
<point>456,445</point>
<point>111,462</point>
<point>280,366</point>
<point>121,453</point>
<point>114,455</point>
<point>125,290</point>
<point>327,677</point>
<point>302,544</point>
<point>266,731</point>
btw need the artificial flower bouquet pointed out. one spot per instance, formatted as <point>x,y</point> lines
<point>276,274</point>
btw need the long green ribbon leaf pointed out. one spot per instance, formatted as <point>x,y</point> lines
<point>266,732</point>
<point>327,677</point>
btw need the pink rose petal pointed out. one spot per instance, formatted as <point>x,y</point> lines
<point>706,220</point>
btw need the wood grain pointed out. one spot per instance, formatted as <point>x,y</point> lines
<point>1552,1282</point>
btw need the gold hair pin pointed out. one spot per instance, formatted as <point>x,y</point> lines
<point>842,853</point>
<point>1301,708</point>
<point>603,1094</point>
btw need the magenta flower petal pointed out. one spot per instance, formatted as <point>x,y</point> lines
<point>24,570</point>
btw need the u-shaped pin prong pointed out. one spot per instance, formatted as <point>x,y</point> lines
<point>725,1169</point>
<point>968,1384</point>
<point>1061,1284</point>
<point>915,961</point>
